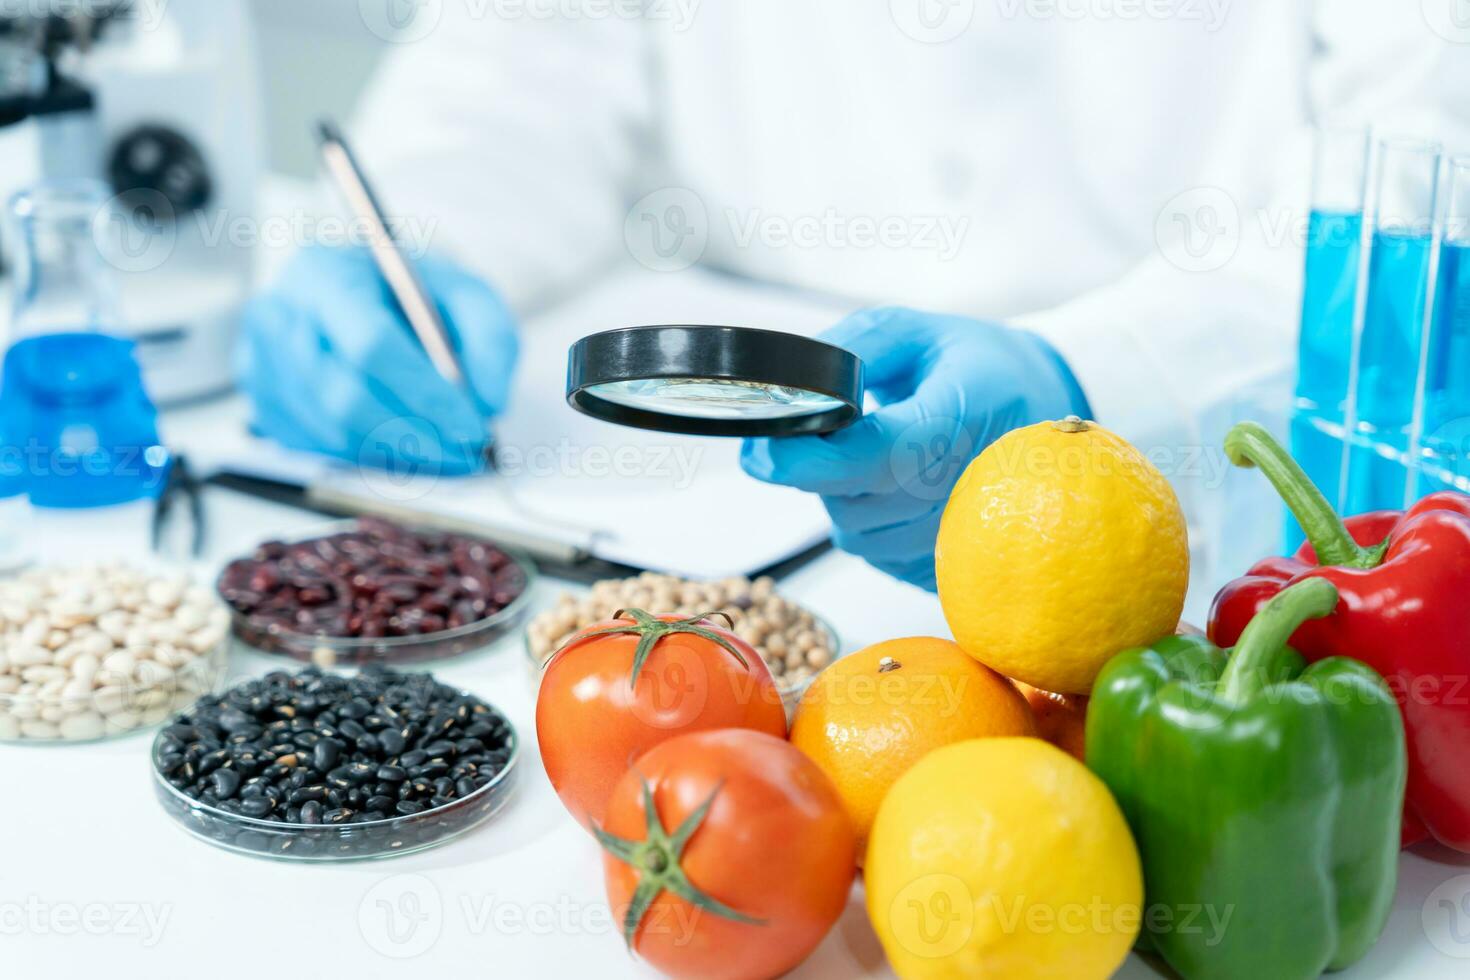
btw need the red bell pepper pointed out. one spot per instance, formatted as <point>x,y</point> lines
<point>1404,579</point>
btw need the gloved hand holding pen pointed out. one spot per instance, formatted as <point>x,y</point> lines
<point>947,387</point>
<point>332,368</point>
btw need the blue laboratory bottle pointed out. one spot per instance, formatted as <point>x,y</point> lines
<point>91,432</point>
<point>74,406</point>
<point>1329,307</point>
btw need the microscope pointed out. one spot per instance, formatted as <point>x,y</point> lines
<point>160,100</point>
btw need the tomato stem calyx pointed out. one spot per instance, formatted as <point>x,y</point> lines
<point>657,859</point>
<point>650,629</point>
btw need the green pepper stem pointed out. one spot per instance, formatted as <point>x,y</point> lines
<point>1266,636</point>
<point>1249,444</point>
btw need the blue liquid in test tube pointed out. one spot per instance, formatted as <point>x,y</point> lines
<point>1389,370</point>
<point>1386,378</point>
<point>1444,453</point>
<point>1333,249</point>
<point>1330,302</point>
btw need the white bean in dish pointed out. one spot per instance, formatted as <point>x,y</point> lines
<point>103,650</point>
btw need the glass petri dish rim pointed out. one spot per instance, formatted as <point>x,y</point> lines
<point>280,827</point>
<point>790,694</point>
<point>209,668</point>
<point>338,644</point>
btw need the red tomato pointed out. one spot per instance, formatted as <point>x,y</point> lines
<point>765,868</point>
<point>595,714</point>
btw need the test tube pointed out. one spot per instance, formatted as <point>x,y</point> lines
<point>1388,349</point>
<point>1441,443</point>
<point>1331,305</point>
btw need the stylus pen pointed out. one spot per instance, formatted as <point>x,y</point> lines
<point>393,264</point>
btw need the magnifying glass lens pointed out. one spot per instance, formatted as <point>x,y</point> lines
<point>715,380</point>
<point>714,398</point>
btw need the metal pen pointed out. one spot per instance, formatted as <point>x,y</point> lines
<point>423,317</point>
<point>408,289</point>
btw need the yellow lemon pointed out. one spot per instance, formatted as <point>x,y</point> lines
<point>872,714</point>
<point>1002,857</point>
<point>1060,545</point>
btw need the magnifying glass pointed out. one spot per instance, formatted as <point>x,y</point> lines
<point>715,381</point>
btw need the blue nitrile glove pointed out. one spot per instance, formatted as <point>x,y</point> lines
<point>948,386</point>
<point>332,366</point>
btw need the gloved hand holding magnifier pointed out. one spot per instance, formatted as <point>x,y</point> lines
<point>945,388</point>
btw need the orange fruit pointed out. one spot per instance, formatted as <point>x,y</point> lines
<point>1061,719</point>
<point>871,715</point>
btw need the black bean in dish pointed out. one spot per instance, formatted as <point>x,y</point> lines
<point>371,591</point>
<point>315,766</point>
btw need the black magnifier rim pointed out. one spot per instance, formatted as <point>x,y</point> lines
<point>723,353</point>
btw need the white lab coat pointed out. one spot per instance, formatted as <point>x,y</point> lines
<point>1059,164</point>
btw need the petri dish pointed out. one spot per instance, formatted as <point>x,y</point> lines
<point>790,691</point>
<point>343,842</point>
<point>367,840</point>
<point>348,651</point>
<point>114,711</point>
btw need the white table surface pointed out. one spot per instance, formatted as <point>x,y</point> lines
<point>96,881</point>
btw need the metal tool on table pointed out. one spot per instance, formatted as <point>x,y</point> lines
<point>183,494</point>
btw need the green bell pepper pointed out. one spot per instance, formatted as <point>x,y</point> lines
<point>1265,796</point>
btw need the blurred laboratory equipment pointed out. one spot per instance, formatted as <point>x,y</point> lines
<point>1382,408</point>
<point>162,102</point>
<point>62,279</point>
<point>77,420</point>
